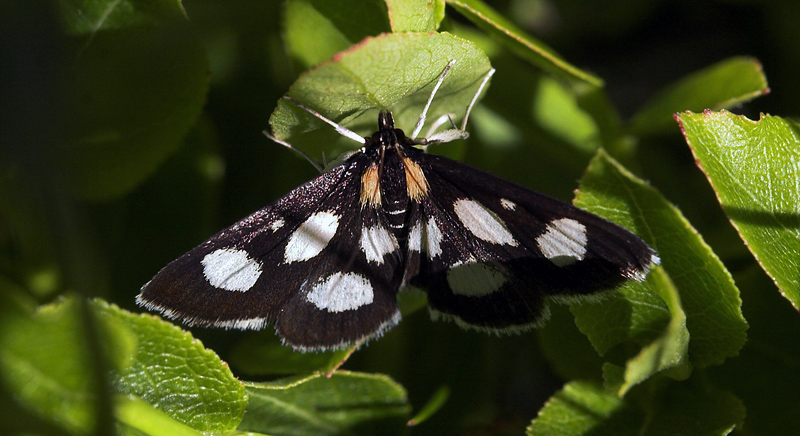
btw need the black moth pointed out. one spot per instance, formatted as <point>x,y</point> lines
<point>324,264</point>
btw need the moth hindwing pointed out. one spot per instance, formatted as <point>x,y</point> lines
<point>324,264</point>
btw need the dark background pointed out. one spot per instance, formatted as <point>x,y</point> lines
<point>108,248</point>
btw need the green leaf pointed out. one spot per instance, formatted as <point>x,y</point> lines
<point>692,408</point>
<point>557,110</point>
<point>415,16</point>
<point>507,140</point>
<point>568,351</point>
<point>83,17</point>
<point>394,71</point>
<point>764,375</point>
<point>692,280</point>
<point>263,354</point>
<point>667,353</point>
<point>173,372</point>
<point>754,170</point>
<point>315,30</point>
<point>135,82</point>
<point>722,85</point>
<point>55,378</point>
<point>583,408</point>
<point>347,402</point>
<point>519,42</point>
<point>596,103</point>
<point>576,410</point>
<point>437,400</point>
<point>150,359</point>
<point>137,417</point>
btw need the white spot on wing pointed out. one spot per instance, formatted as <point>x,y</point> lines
<point>434,238</point>
<point>231,269</point>
<point>474,279</point>
<point>311,237</point>
<point>430,240</point>
<point>415,237</point>
<point>376,242</point>
<point>341,292</point>
<point>508,204</point>
<point>564,242</point>
<point>277,224</point>
<point>242,324</point>
<point>483,223</point>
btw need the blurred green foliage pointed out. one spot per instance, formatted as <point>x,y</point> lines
<point>131,131</point>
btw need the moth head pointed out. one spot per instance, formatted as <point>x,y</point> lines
<point>385,120</point>
<point>387,135</point>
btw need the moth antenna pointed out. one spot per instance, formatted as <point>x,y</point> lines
<point>342,130</point>
<point>296,150</point>
<point>423,115</point>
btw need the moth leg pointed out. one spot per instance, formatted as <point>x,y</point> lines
<point>421,120</point>
<point>296,150</point>
<point>475,98</point>
<point>461,132</point>
<point>342,130</point>
<point>439,122</point>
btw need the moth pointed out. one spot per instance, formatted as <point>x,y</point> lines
<point>325,263</point>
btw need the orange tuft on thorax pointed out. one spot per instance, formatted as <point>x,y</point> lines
<point>416,184</point>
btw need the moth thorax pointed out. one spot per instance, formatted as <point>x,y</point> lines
<point>388,137</point>
<point>394,196</point>
<point>393,183</point>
